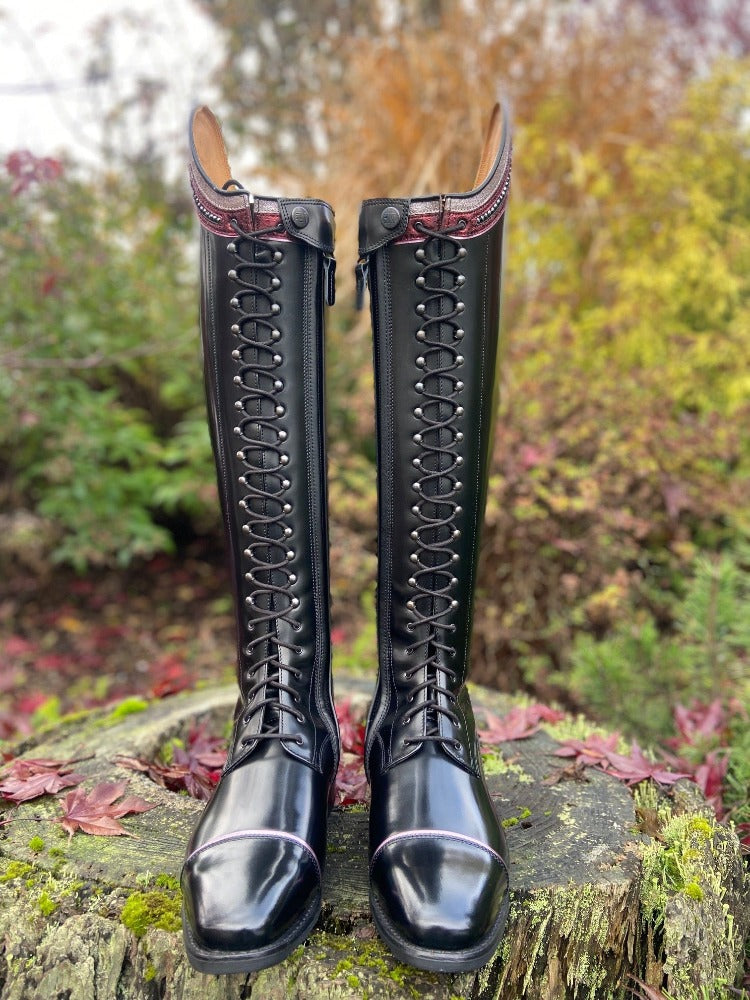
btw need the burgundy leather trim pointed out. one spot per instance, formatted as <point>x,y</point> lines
<point>216,217</point>
<point>478,219</point>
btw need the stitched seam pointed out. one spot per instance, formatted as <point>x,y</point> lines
<point>383,345</point>
<point>312,493</point>
<point>441,835</point>
<point>228,838</point>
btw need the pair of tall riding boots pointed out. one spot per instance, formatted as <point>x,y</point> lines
<point>438,861</point>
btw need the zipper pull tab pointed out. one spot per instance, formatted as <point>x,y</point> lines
<point>329,274</point>
<point>362,274</point>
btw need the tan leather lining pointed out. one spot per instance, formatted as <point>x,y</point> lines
<point>491,146</point>
<point>209,146</point>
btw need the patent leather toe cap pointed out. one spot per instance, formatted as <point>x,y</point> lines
<point>247,893</point>
<point>437,893</point>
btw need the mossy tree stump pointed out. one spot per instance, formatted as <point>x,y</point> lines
<point>97,918</point>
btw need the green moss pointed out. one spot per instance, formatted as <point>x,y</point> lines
<point>56,852</point>
<point>36,844</point>
<point>510,821</point>
<point>16,869</point>
<point>345,965</point>
<point>693,890</point>
<point>493,762</point>
<point>150,973</point>
<point>128,706</point>
<point>46,903</point>
<point>73,717</point>
<point>165,881</point>
<point>674,864</point>
<point>151,909</point>
<point>353,982</point>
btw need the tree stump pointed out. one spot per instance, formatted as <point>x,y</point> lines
<point>97,918</point>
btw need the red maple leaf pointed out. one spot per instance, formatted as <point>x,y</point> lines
<point>636,767</point>
<point>195,768</point>
<point>28,779</point>
<point>518,724</point>
<point>699,722</point>
<point>97,812</point>
<point>591,752</point>
<point>170,676</point>
<point>351,727</point>
<point>351,781</point>
<point>709,777</point>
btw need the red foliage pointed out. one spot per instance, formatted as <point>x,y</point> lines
<point>517,724</point>
<point>351,782</point>
<point>29,779</point>
<point>352,728</point>
<point>195,768</point>
<point>698,723</point>
<point>169,676</point>
<point>97,812</point>
<point>598,751</point>
<point>27,169</point>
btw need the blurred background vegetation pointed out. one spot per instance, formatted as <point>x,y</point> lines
<point>615,569</point>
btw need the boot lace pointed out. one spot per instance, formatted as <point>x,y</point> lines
<point>265,511</point>
<point>437,482</point>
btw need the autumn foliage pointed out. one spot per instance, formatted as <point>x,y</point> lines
<point>615,571</point>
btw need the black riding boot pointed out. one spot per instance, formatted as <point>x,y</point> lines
<point>438,860</point>
<point>252,876</point>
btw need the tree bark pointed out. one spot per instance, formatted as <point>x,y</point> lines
<point>80,917</point>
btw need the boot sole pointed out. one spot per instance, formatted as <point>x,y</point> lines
<point>220,962</point>
<point>432,960</point>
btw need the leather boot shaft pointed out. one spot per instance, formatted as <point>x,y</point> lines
<point>433,266</point>
<point>266,273</point>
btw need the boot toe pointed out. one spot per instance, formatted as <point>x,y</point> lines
<point>439,894</point>
<point>249,893</point>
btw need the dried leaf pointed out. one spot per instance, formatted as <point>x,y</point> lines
<point>518,724</point>
<point>351,727</point>
<point>28,779</point>
<point>195,768</point>
<point>351,781</point>
<point>575,771</point>
<point>699,722</point>
<point>592,751</point>
<point>642,991</point>
<point>97,812</point>
<point>636,767</point>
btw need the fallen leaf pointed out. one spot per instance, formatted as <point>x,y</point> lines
<point>28,779</point>
<point>699,721</point>
<point>97,812</point>
<point>518,724</point>
<point>575,771</point>
<point>592,751</point>
<point>636,767</point>
<point>642,991</point>
<point>195,768</point>
<point>351,781</point>
<point>709,777</point>
<point>351,727</point>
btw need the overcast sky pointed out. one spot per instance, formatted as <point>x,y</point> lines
<point>47,105</point>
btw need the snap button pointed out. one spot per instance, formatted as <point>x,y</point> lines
<point>390,217</point>
<point>300,216</point>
